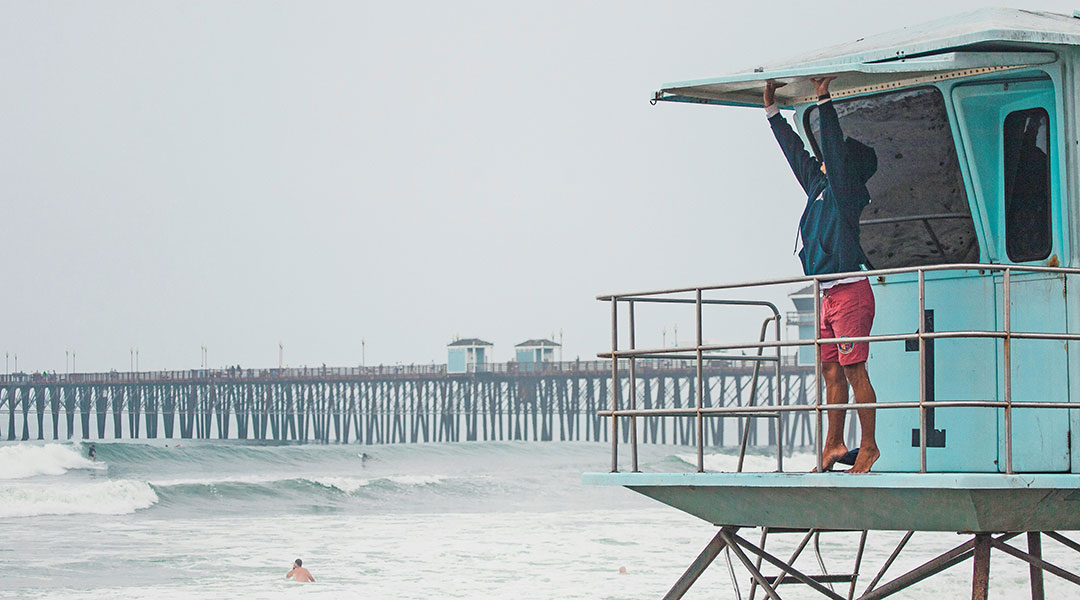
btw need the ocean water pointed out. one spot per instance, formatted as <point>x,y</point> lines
<point>473,520</point>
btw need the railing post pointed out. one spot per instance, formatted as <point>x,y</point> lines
<point>1007,363</point>
<point>614,384</point>
<point>752,400</point>
<point>818,439</point>
<point>922,371</point>
<point>700,393</point>
<point>633,396</point>
<point>778,399</point>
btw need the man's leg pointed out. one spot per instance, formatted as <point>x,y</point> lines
<point>859,379</point>
<point>836,392</point>
<point>853,318</point>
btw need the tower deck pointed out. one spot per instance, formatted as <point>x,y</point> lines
<point>875,501</point>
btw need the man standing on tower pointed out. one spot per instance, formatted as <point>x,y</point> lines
<point>829,230</point>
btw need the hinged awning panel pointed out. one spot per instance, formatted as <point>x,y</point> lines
<point>745,89</point>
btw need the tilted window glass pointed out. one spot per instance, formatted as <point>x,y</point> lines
<point>1027,185</point>
<point>918,212</point>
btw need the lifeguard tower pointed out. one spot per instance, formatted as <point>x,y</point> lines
<point>532,354</point>
<point>803,320</point>
<point>467,355</point>
<point>972,232</point>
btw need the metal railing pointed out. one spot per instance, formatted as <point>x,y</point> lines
<point>233,374</point>
<point>224,374</point>
<point>704,352</point>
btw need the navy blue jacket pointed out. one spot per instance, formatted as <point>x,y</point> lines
<point>830,221</point>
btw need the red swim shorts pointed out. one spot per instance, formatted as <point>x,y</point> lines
<point>847,310</point>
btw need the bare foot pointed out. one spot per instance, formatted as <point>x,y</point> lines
<point>830,455</point>
<point>867,457</point>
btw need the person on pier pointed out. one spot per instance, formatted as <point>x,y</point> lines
<point>829,229</point>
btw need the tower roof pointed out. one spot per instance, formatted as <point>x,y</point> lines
<point>469,342</point>
<point>538,343</point>
<point>983,39</point>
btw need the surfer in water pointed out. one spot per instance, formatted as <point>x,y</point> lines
<point>299,573</point>
<point>91,453</point>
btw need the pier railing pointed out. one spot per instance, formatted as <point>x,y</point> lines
<point>700,353</point>
<point>331,373</point>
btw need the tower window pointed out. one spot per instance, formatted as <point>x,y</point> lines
<point>1027,185</point>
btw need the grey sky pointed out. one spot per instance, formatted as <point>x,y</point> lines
<point>232,174</point>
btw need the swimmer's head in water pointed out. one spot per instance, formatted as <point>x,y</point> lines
<point>298,562</point>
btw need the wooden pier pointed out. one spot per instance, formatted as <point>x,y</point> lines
<point>394,404</point>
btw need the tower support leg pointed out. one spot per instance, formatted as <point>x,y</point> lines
<point>978,547</point>
<point>786,569</point>
<point>1034,540</point>
<point>949,559</point>
<point>702,562</point>
<point>1038,562</point>
<point>728,535</point>
<point>980,577</point>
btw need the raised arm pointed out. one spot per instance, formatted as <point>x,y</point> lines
<point>831,136</point>
<point>805,167</point>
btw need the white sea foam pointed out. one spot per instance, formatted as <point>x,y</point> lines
<point>24,460</point>
<point>351,484</point>
<point>345,484</point>
<point>416,479</point>
<point>117,497</point>
<point>755,463</point>
<point>219,480</point>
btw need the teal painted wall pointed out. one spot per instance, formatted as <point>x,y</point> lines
<point>1039,367</point>
<point>532,359</point>
<point>963,371</point>
<point>980,111</point>
<point>455,360</point>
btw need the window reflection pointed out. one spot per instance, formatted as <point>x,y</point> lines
<point>1027,185</point>
<point>918,212</point>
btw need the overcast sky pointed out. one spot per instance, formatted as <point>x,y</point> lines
<point>235,174</point>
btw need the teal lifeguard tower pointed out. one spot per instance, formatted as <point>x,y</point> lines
<point>803,320</point>
<point>973,233</point>
<point>467,355</point>
<point>531,355</point>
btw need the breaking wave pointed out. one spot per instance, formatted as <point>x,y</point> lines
<point>21,461</point>
<point>97,497</point>
<point>327,488</point>
<point>124,496</point>
<point>181,478</point>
